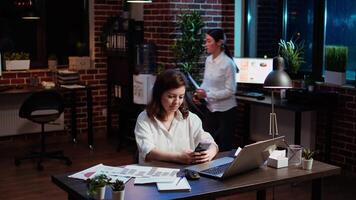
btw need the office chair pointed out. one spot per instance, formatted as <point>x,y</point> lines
<point>43,107</point>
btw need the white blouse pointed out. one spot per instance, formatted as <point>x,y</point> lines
<point>184,134</point>
<point>220,82</point>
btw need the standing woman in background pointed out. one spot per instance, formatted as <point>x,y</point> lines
<point>218,89</point>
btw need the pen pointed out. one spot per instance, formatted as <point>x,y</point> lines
<point>179,180</point>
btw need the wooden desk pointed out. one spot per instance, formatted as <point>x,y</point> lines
<point>72,104</point>
<point>206,188</point>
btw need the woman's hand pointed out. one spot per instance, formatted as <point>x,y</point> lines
<point>186,157</point>
<point>196,99</point>
<point>200,94</point>
<point>205,156</point>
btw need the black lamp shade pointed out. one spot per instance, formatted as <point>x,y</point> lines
<point>31,15</point>
<point>278,78</point>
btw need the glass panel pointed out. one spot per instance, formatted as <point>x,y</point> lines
<point>264,27</point>
<point>63,29</point>
<point>341,28</point>
<point>300,26</point>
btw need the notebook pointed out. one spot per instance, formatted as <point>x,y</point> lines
<point>179,184</point>
<point>250,157</point>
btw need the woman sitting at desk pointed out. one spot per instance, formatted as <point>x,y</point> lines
<point>166,130</point>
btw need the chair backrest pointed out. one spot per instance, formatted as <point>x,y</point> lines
<point>42,101</point>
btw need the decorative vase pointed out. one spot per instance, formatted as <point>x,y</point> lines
<point>118,195</point>
<point>307,164</point>
<point>100,193</point>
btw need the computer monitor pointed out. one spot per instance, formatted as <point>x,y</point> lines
<point>253,70</point>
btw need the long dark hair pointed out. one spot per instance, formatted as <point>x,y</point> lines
<point>167,80</point>
<point>218,34</point>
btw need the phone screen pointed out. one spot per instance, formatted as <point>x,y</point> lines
<point>202,147</point>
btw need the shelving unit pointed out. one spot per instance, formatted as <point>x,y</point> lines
<point>120,49</point>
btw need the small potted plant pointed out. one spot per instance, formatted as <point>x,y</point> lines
<point>96,186</point>
<point>293,52</point>
<point>307,161</point>
<point>335,64</point>
<point>310,83</point>
<point>17,61</point>
<point>118,190</point>
<point>52,61</point>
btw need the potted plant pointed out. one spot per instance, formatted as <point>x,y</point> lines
<point>309,83</point>
<point>52,61</point>
<point>17,61</point>
<point>293,52</point>
<point>335,64</point>
<point>189,46</point>
<point>307,161</point>
<point>96,186</point>
<point>118,190</point>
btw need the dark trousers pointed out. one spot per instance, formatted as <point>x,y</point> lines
<point>221,125</point>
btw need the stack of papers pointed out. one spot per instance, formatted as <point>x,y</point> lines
<point>166,178</point>
<point>112,172</point>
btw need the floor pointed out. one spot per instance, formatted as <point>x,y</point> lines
<point>25,182</point>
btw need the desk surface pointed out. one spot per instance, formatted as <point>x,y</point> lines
<point>204,188</point>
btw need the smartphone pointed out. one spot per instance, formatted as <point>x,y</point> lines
<point>202,147</point>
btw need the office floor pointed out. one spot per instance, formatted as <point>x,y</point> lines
<point>25,182</point>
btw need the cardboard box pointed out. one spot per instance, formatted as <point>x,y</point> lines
<point>79,62</point>
<point>142,88</point>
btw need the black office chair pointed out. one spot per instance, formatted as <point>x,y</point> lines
<point>43,107</point>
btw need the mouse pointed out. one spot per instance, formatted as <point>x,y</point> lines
<point>191,175</point>
<point>260,97</point>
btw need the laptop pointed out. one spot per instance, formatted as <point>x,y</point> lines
<point>250,157</point>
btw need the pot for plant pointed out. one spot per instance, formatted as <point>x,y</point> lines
<point>118,195</point>
<point>100,193</point>
<point>307,164</point>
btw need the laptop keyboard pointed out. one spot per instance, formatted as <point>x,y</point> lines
<point>217,170</point>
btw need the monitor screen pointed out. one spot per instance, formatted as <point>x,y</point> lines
<point>253,70</point>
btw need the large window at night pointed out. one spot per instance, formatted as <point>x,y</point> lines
<point>341,28</point>
<point>61,30</point>
<point>299,26</point>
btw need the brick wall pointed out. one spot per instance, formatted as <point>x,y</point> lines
<point>343,133</point>
<point>160,22</point>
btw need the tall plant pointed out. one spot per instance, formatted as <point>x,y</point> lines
<point>336,58</point>
<point>189,47</point>
<point>293,52</point>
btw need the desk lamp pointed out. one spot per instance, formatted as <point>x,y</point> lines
<point>277,79</point>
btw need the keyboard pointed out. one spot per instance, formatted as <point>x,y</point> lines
<point>256,95</point>
<point>217,170</point>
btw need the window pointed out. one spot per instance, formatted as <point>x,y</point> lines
<point>300,14</point>
<point>63,29</point>
<point>263,28</point>
<point>341,28</point>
